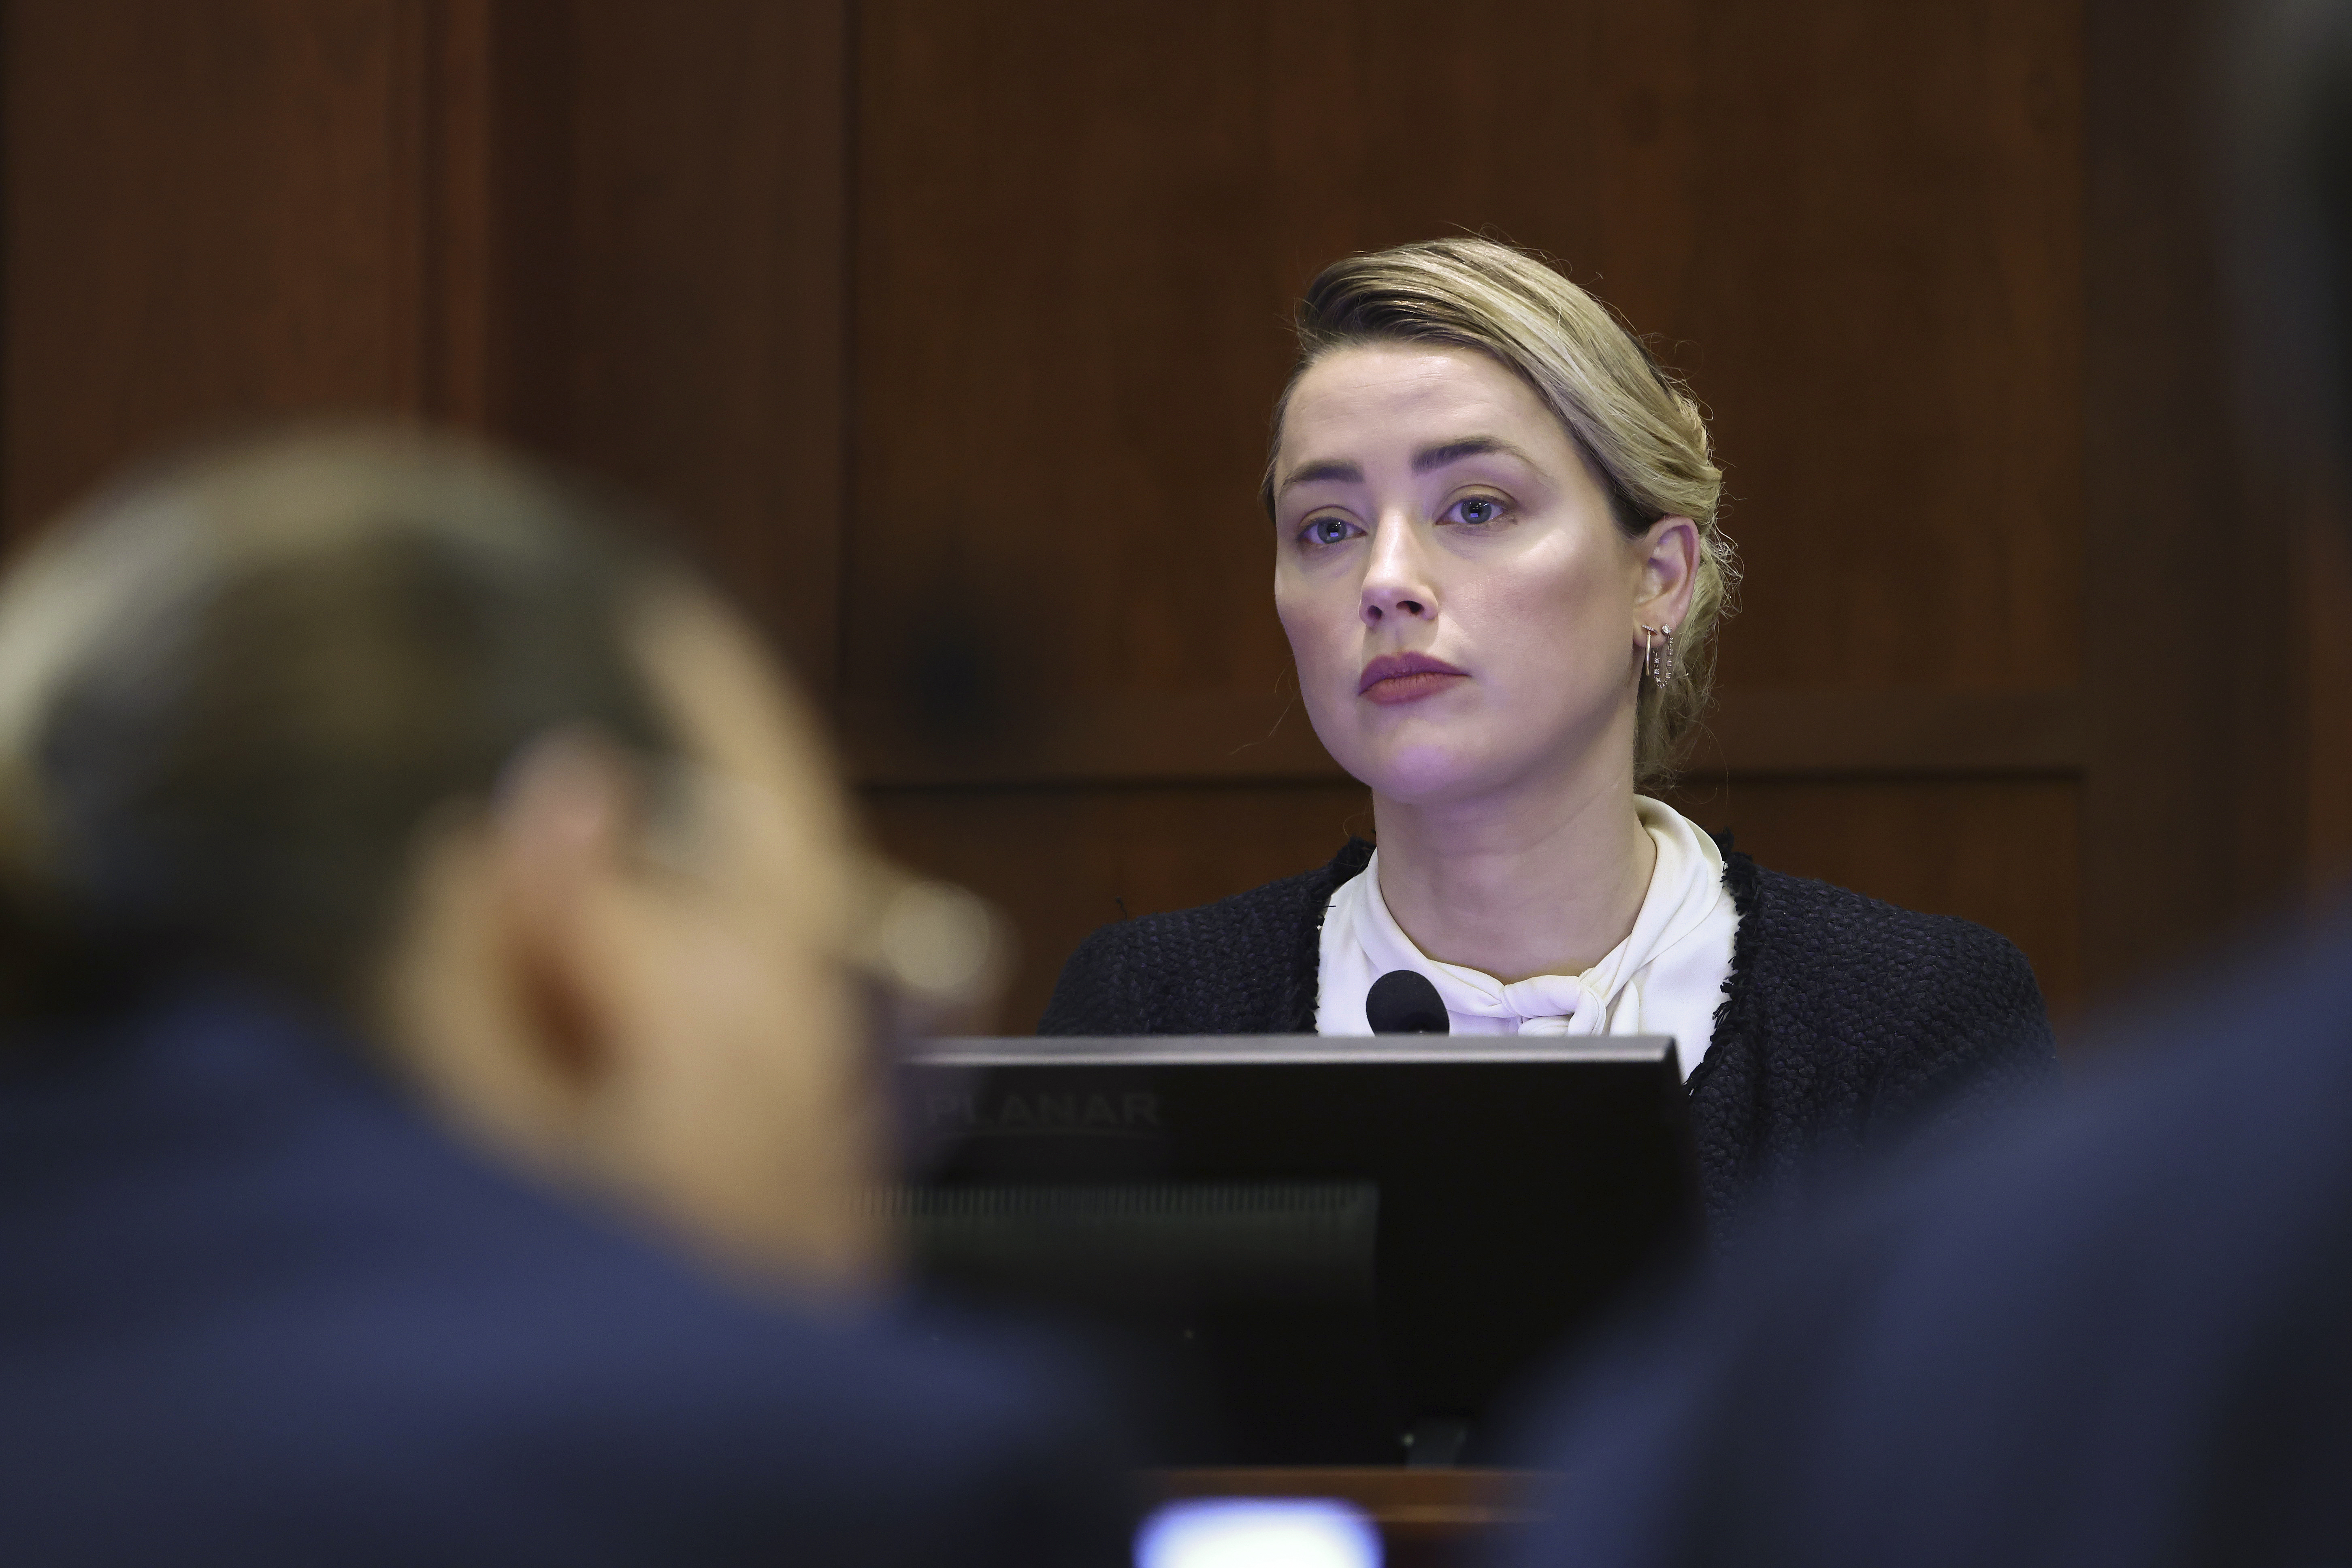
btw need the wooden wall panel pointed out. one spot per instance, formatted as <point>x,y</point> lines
<point>2005,852</point>
<point>2193,807</point>
<point>213,213</point>
<point>1857,228</point>
<point>947,334</point>
<point>701,272</point>
<point>612,231</point>
<point>1061,862</point>
<point>1067,338</point>
<point>1079,229</point>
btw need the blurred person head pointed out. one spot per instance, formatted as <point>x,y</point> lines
<point>438,745</point>
<point>1491,506</point>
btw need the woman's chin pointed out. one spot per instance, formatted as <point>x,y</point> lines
<point>1420,758</point>
<point>1423,774</point>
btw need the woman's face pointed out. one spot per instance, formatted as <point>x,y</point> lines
<point>1464,611</point>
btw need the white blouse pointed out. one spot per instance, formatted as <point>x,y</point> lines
<point>1666,978</point>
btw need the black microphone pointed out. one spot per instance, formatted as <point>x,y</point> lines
<point>1404,1001</point>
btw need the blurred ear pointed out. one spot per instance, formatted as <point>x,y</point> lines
<point>561,838</point>
<point>1669,570</point>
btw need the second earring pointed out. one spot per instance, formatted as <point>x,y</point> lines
<point>1658,652</point>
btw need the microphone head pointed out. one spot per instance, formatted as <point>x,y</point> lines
<point>1404,1001</point>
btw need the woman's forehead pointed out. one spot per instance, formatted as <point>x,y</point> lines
<point>1364,401</point>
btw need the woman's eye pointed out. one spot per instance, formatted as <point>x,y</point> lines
<point>1328,529</point>
<point>1478,509</point>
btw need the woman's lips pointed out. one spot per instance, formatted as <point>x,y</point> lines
<point>1406,677</point>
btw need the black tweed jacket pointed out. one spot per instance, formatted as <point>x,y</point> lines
<point>1846,1025</point>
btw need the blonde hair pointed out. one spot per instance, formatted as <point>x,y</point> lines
<point>1637,425</point>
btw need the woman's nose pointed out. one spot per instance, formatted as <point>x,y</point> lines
<point>1396,579</point>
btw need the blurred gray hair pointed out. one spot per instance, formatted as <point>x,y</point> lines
<point>234,687</point>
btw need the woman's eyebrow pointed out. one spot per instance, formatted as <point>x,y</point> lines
<point>1424,461</point>
<point>1430,457</point>
<point>1327,469</point>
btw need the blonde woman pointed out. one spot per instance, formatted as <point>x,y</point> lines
<point>1497,562</point>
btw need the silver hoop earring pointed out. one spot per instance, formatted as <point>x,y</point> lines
<point>1660,656</point>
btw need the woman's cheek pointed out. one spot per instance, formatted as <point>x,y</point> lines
<point>1318,637</point>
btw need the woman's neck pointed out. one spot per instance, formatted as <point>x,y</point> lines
<point>1541,879</point>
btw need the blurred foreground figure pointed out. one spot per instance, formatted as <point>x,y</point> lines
<point>419,899</point>
<point>2123,1334</point>
<point>2123,1338</point>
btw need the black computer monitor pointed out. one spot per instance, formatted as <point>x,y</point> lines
<point>1318,1250</point>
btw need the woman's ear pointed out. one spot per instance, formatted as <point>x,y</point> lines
<point>1669,569</point>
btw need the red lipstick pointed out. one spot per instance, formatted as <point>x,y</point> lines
<point>1406,677</point>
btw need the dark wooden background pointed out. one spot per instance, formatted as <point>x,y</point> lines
<point>945,330</point>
